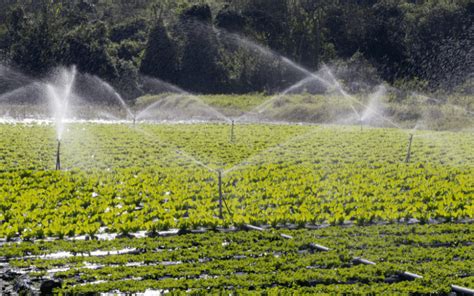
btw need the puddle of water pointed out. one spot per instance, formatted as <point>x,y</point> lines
<point>148,292</point>
<point>61,255</point>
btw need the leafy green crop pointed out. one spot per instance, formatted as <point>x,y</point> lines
<point>264,261</point>
<point>124,179</point>
<point>156,177</point>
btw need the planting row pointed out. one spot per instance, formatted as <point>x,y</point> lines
<point>257,261</point>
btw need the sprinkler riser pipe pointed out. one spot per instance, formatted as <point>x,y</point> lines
<point>232,135</point>
<point>220,194</point>
<point>407,159</point>
<point>58,156</point>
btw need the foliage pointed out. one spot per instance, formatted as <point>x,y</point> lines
<point>160,58</point>
<point>33,47</point>
<point>261,262</point>
<point>193,44</point>
<point>199,63</point>
<point>88,47</point>
<point>143,179</point>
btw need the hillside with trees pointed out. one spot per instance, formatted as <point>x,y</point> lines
<point>211,46</point>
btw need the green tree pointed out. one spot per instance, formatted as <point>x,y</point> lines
<point>88,47</point>
<point>439,44</point>
<point>231,20</point>
<point>129,50</point>
<point>33,45</point>
<point>127,81</point>
<point>269,22</point>
<point>200,69</point>
<point>385,44</point>
<point>160,59</point>
<point>130,30</point>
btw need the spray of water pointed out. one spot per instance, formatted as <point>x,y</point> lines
<point>176,95</point>
<point>175,149</point>
<point>426,99</point>
<point>156,86</point>
<point>331,83</point>
<point>59,94</point>
<point>11,79</point>
<point>446,151</point>
<point>20,92</point>
<point>257,157</point>
<point>268,103</point>
<point>117,96</point>
<point>374,106</point>
<point>109,116</point>
<point>343,92</point>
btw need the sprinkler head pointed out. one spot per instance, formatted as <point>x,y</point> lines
<point>134,117</point>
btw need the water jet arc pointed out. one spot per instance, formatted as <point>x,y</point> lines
<point>326,82</point>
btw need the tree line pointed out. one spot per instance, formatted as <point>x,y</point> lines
<point>234,46</point>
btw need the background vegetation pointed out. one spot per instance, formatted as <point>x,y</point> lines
<point>417,44</point>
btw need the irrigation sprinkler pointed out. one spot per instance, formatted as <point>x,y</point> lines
<point>58,156</point>
<point>232,134</point>
<point>410,140</point>
<point>361,121</point>
<point>220,193</point>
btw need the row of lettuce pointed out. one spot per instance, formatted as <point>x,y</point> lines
<point>263,261</point>
<point>114,146</point>
<point>66,204</point>
<point>157,177</point>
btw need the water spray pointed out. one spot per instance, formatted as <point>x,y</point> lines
<point>58,156</point>
<point>410,140</point>
<point>59,95</point>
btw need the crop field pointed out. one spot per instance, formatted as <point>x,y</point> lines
<point>219,147</point>
<point>255,262</point>
<point>136,207</point>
